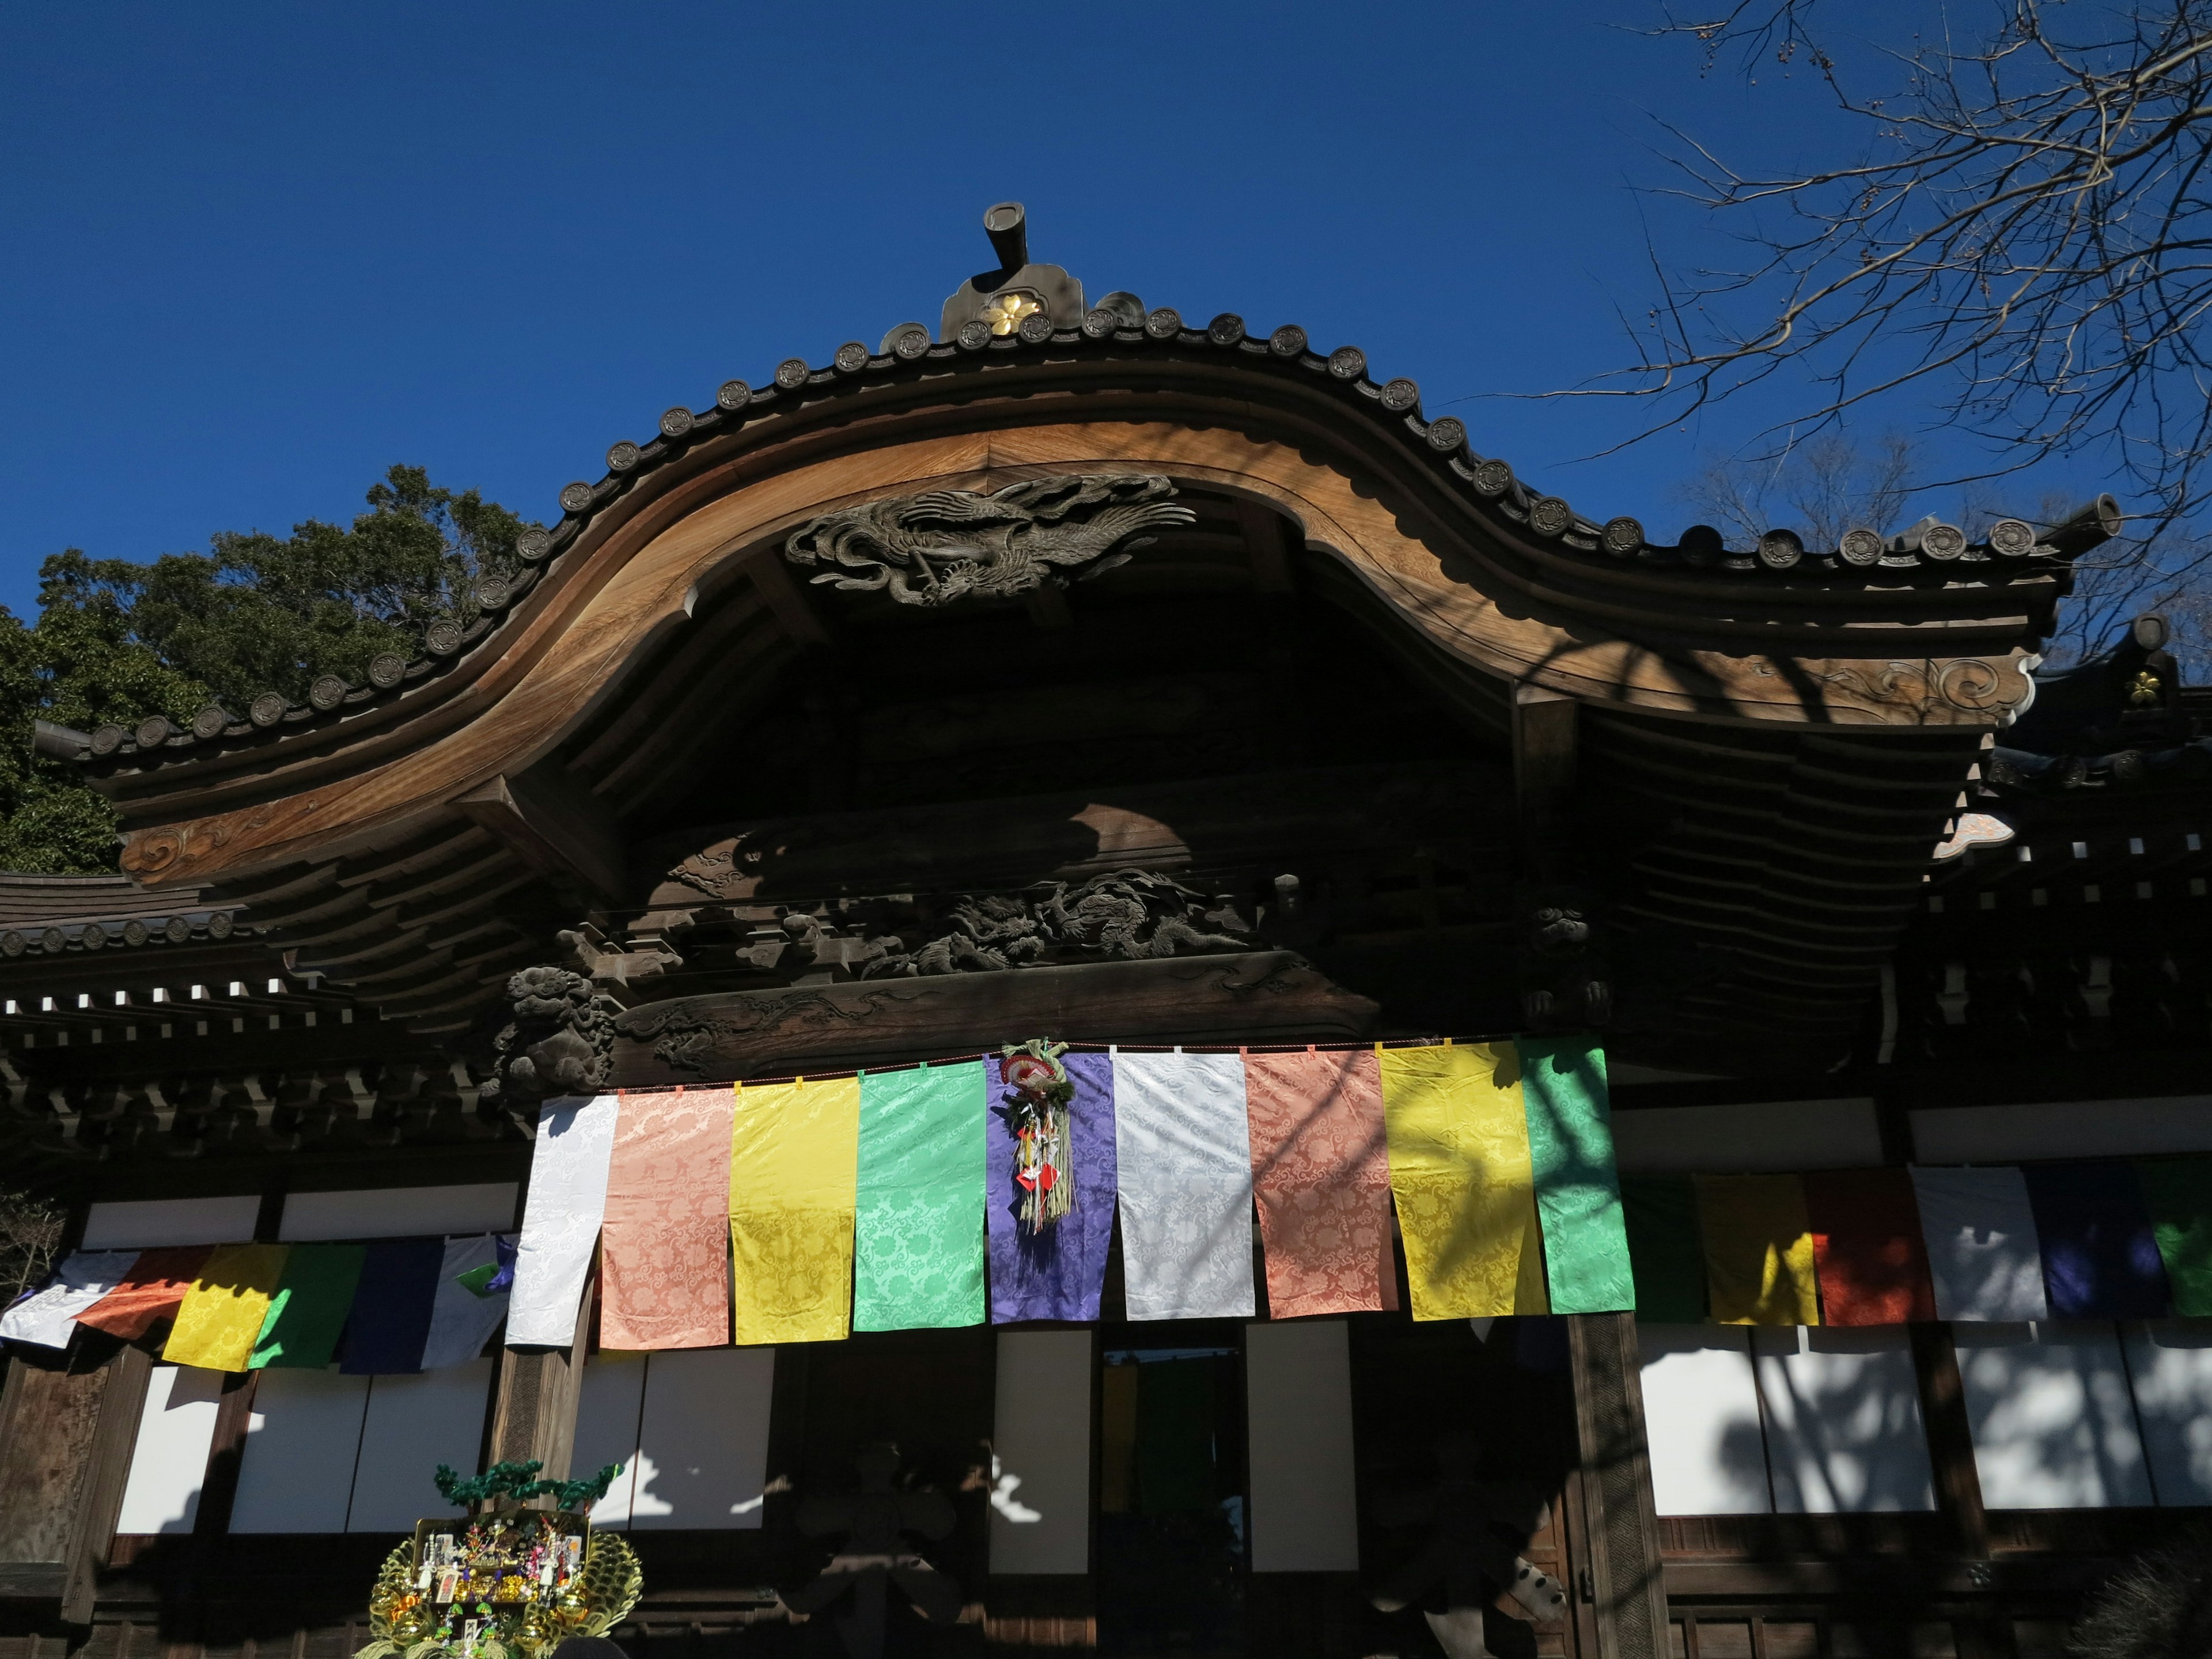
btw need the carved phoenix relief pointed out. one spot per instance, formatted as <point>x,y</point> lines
<point>948,545</point>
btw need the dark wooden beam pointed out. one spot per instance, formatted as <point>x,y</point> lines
<point>1258,996</point>
<point>535,1392</point>
<point>1267,545</point>
<point>785,597</point>
<point>1544,764</point>
<point>555,828</point>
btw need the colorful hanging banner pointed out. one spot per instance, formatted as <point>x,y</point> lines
<point>665,1239</point>
<point>2101,1257</point>
<point>474,1279</point>
<point>1983,1254</point>
<point>1660,1214</point>
<point>1867,1248</point>
<point>561,1220</point>
<point>1461,1172</point>
<point>1184,1160</point>
<point>1057,1271</point>
<point>308,1312</point>
<point>47,1316</point>
<point>2178,1193</point>
<point>1758,1250</point>
<point>1320,1176</point>
<point>918,1231</point>
<point>222,1313</point>
<point>1562,1088</point>
<point>390,1321</point>
<point>793,1165</point>
<point>150,1292</point>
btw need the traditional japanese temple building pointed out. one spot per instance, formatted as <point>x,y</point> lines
<point>1179,690</point>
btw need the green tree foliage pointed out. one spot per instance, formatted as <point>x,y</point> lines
<point>116,641</point>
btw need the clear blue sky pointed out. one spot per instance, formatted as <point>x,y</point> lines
<point>253,254</point>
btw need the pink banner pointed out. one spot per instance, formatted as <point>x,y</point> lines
<point>1320,1173</point>
<point>663,1264</point>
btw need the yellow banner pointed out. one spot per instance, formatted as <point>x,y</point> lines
<point>1758,1250</point>
<point>794,1176</point>
<point>222,1313</point>
<point>1460,1171</point>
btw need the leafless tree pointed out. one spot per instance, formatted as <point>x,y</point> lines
<point>2024,240</point>
<point>30,1231</point>
<point>1822,488</point>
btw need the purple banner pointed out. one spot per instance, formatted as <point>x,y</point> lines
<point>1058,1274</point>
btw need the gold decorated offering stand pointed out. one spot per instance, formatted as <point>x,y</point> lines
<point>504,1580</point>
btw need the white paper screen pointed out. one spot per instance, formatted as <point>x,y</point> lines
<point>702,1439</point>
<point>1701,1417</point>
<point>169,1461</point>
<point>1298,1406</point>
<point>302,1440</point>
<point>1844,1431</point>
<point>413,1424</point>
<point>1040,1454</point>
<point>145,1223</point>
<point>2053,1423</point>
<point>2169,1362</point>
<point>398,1211</point>
<point>609,1403</point>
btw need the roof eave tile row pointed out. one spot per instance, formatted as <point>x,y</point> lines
<point>1395,403</point>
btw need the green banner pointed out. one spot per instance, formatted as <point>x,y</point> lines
<point>1586,1260</point>
<point>308,1311</point>
<point>918,1237</point>
<point>1661,1213</point>
<point>2178,1193</point>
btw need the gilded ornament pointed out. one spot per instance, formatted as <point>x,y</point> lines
<point>1005,313</point>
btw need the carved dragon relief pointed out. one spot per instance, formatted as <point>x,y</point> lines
<point>948,545</point>
<point>731,1032</point>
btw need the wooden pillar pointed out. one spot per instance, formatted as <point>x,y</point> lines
<point>1613,1521</point>
<point>1958,1482</point>
<point>1619,1584</point>
<point>67,1425</point>
<point>538,1388</point>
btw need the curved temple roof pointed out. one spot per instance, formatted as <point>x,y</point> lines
<point>1886,572</point>
<point>1791,726</point>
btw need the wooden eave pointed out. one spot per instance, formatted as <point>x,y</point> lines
<point>1677,612</point>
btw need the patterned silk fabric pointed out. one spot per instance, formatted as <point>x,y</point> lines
<point>1321,1170</point>
<point>1461,1172</point>
<point>561,1218</point>
<point>795,1149</point>
<point>1058,1274</point>
<point>664,1248</point>
<point>1184,1160</point>
<point>918,1239</point>
<point>1578,1191</point>
<point>223,1312</point>
<point>1758,1250</point>
<point>149,1294</point>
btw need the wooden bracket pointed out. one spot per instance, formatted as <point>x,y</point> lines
<point>1267,545</point>
<point>1544,741</point>
<point>552,826</point>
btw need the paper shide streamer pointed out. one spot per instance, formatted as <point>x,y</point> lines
<point>1044,1144</point>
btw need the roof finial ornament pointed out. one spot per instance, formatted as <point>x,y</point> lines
<point>1007,225</point>
<point>993,305</point>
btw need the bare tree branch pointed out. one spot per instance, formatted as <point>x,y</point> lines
<point>2026,237</point>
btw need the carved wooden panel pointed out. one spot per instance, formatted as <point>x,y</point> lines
<point>1258,997</point>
